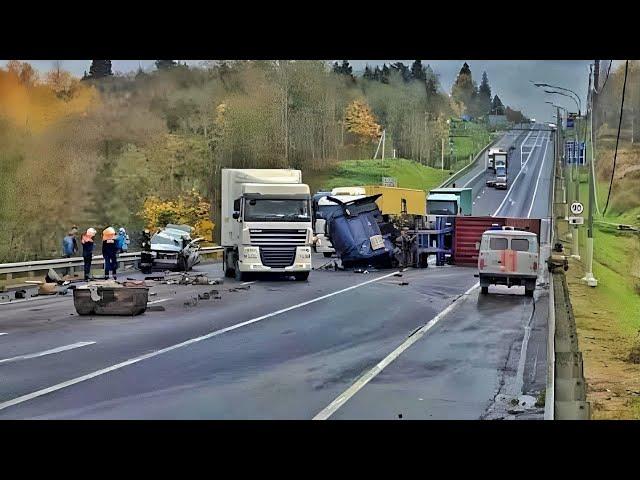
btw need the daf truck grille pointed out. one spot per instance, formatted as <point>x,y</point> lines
<point>279,238</point>
<point>277,257</point>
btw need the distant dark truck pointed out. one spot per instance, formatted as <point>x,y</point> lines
<point>500,161</point>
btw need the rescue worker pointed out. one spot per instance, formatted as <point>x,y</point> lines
<point>109,251</point>
<point>87,251</point>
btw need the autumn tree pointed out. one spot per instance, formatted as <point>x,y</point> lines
<point>24,71</point>
<point>359,120</point>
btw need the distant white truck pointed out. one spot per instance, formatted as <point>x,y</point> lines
<point>266,223</point>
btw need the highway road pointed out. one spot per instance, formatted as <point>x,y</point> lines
<point>418,344</point>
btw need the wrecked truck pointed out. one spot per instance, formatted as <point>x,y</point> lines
<point>171,248</point>
<point>358,233</point>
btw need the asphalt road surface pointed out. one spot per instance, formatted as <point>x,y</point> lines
<point>343,345</point>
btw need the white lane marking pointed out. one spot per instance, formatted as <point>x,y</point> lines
<point>248,283</point>
<point>46,352</point>
<point>371,374</point>
<point>157,301</point>
<point>512,185</point>
<point>97,373</point>
<point>544,156</point>
<point>3,333</point>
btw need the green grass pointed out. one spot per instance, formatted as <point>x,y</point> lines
<point>478,137</point>
<point>408,173</point>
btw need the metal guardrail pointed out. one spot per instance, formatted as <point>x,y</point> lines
<point>9,269</point>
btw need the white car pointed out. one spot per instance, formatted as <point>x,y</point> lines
<point>508,257</point>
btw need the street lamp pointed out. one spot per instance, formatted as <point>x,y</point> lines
<point>539,84</point>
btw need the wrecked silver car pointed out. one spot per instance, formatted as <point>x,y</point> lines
<point>171,248</point>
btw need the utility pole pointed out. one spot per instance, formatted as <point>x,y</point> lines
<point>588,278</point>
<point>384,134</point>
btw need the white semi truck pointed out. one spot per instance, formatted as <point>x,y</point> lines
<point>266,223</point>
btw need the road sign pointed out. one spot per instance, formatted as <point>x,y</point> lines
<point>577,208</point>
<point>389,182</point>
<point>576,220</point>
<point>569,148</point>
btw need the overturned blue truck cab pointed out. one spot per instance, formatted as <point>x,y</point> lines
<point>358,233</point>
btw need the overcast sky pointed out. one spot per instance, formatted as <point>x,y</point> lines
<point>508,78</point>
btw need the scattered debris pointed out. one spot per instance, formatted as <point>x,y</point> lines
<point>20,294</point>
<point>235,289</point>
<point>154,277</point>
<point>52,277</point>
<point>153,294</point>
<point>204,296</point>
<point>403,283</point>
<point>192,302</point>
<point>155,308</point>
<point>397,274</point>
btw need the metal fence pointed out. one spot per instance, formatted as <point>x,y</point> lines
<point>30,268</point>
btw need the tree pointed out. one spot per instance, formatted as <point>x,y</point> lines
<point>377,74</point>
<point>24,71</point>
<point>342,69</point>
<point>100,69</point>
<point>515,116</point>
<point>166,64</point>
<point>497,108</point>
<point>484,95</point>
<point>384,74</point>
<point>360,121</point>
<point>432,83</point>
<point>417,71</point>
<point>464,89</point>
<point>403,70</point>
<point>368,74</point>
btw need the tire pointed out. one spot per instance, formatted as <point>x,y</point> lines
<point>484,290</point>
<point>327,254</point>
<point>238,275</point>
<point>228,272</point>
<point>301,277</point>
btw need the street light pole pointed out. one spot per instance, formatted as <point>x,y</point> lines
<point>588,278</point>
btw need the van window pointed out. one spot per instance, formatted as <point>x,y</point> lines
<point>520,244</point>
<point>497,243</point>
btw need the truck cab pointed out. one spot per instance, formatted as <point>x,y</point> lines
<point>324,209</point>
<point>450,201</point>
<point>508,257</point>
<point>500,181</point>
<point>266,223</point>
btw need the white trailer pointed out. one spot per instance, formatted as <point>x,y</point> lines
<point>266,223</point>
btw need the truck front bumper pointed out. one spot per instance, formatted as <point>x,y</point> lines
<point>250,261</point>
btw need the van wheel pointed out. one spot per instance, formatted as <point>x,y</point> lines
<point>484,290</point>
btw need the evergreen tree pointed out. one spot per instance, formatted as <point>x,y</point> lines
<point>377,74</point>
<point>464,89</point>
<point>432,83</point>
<point>497,108</point>
<point>100,69</point>
<point>403,70</point>
<point>417,71</point>
<point>166,64</point>
<point>484,95</point>
<point>384,74</point>
<point>368,74</point>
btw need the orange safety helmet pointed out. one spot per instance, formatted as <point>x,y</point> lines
<point>108,233</point>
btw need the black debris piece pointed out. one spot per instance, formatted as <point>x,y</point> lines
<point>403,283</point>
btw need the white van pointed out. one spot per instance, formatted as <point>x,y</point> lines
<point>508,257</point>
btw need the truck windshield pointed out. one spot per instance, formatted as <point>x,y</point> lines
<point>501,172</point>
<point>442,207</point>
<point>272,210</point>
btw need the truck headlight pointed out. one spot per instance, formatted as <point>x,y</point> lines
<point>251,252</point>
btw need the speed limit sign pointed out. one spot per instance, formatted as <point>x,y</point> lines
<point>577,208</point>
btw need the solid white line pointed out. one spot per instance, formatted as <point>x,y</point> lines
<point>3,333</point>
<point>544,156</point>
<point>157,301</point>
<point>46,352</point>
<point>31,299</point>
<point>512,184</point>
<point>97,373</point>
<point>371,374</point>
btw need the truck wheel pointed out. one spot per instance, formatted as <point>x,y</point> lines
<point>229,272</point>
<point>301,277</point>
<point>484,290</point>
<point>327,254</point>
<point>239,276</point>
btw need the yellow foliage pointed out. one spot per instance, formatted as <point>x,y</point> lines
<point>190,209</point>
<point>360,120</point>
<point>35,106</point>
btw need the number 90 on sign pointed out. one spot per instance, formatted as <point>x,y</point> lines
<point>577,208</point>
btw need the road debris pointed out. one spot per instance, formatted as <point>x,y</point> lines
<point>403,283</point>
<point>235,289</point>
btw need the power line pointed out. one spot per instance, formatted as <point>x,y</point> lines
<point>606,78</point>
<point>615,155</point>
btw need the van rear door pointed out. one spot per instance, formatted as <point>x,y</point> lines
<point>525,253</point>
<point>491,258</point>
